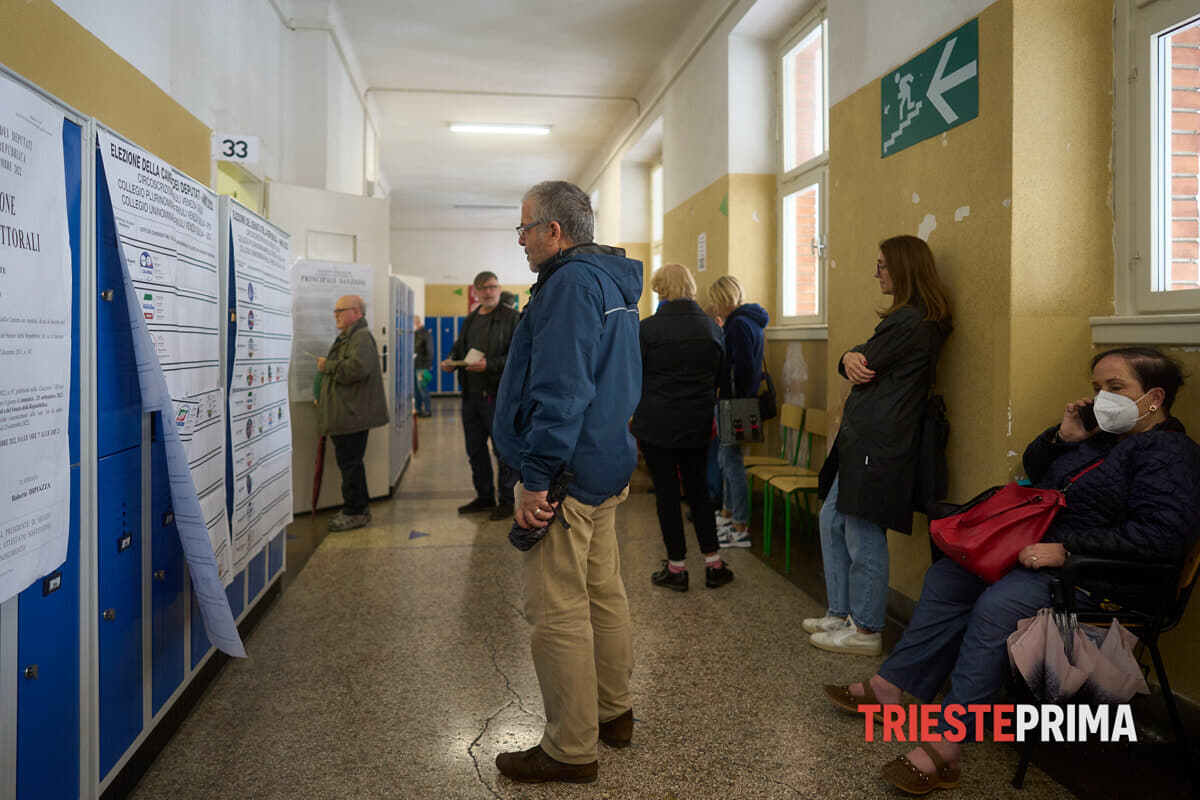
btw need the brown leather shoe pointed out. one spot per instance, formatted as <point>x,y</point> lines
<point>905,776</point>
<point>841,697</point>
<point>534,766</point>
<point>618,731</point>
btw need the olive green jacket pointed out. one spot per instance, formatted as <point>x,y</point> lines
<point>352,397</point>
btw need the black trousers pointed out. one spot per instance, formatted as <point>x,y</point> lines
<point>350,448</point>
<point>477,414</point>
<point>666,467</point>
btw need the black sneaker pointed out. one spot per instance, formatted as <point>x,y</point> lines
<point>715,577</point>
<point>677,581</point>
<point>503,511</point>
<point>477,505</point>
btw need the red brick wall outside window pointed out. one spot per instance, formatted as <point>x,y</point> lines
<point>1183,52</point>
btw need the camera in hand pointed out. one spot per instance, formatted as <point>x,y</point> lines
<point>525,538</point>
<point>1087,415</point>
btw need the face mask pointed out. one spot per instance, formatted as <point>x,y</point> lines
<point>1116,413</point>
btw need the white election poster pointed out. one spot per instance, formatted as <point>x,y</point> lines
<point>316,286</point>
<point>167,226</point>
<point>35,340</point>
<point>259,418</point>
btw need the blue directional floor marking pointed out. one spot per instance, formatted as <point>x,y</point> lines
<point>416,535</point>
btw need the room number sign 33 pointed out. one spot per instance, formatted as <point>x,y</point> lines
<point>235,147</point>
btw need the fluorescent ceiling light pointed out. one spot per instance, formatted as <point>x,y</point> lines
<point>472,127</point>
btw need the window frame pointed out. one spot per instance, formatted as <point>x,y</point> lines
<point>1138,88</point>
<point>813,170</point>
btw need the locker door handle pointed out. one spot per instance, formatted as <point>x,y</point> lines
<point>110,614</point>
<point>160,574</point>
<point>31,672</point>
<point>107,295</point>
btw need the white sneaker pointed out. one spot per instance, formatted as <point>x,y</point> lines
<point>827,623</point>
<point>723,521</point>
<point>735,538</point>
<point>848,640</point>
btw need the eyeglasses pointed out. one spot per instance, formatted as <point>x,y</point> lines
<point>337,311</point>
<point>488,287</point>
<point>522,228</point>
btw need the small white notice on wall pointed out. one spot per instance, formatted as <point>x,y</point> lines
<point>701,253</point>
<point>235,147</point>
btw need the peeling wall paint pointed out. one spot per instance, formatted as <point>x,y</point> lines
<point>927,226</point>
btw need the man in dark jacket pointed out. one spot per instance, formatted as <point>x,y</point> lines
<point>352,402</point>
<point>574,379</point>
<point>422,363</point>
<point>489,330</point>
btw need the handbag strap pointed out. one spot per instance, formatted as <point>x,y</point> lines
<point>1080,473</point>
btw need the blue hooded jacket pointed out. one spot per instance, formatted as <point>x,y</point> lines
<point>574,375</point>
<point>744,343</point>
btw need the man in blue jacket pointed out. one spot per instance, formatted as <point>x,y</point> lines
<point>572,381</point>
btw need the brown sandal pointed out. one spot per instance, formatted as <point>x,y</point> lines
<point>841,697</point>
<point>904,775</point>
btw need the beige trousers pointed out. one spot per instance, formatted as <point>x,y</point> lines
<point>582,640</point>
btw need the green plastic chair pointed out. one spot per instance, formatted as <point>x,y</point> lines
<point>793,484</point>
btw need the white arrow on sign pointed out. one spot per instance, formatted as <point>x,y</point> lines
<point>944,83</point>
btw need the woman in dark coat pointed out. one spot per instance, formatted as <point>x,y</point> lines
<point>681,359</point>
<point>867,481</point>
<point>1138,503</point>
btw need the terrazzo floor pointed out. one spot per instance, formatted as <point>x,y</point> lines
<point>396,665</point>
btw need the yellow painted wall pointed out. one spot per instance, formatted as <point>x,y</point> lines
<point>640,251</point>
<point>701,213</point>
<point>753,242</point>
<point>871,199</point>
<point>41,43</point>
<point>441,300</point>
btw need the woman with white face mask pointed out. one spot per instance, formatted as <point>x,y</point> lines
<point>1134,497</point>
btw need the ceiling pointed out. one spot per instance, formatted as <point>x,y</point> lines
<point>573,66</point>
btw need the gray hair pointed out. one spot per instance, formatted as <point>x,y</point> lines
<point>566,204</point>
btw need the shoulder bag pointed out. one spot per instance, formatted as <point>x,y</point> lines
<point>986,534</point>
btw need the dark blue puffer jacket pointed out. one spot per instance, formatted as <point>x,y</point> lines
<point>574,375</point>
<point>1141,504</point>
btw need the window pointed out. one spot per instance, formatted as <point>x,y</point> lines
<point>1158,129</point>
<point>804,160</point>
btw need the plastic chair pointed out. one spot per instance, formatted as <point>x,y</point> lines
<point>794,482</point>
<point>1173,585</point>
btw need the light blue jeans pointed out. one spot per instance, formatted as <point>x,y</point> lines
<point>735,497</point>
<point>855,553</point>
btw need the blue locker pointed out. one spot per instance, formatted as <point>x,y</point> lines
<point>256,574</point>
<point>118,397</point>
<point>166,585</point>
<point>200,643</point>
<point>275,554</point>
<point>48,686</point>
<point>119,556</point>
<point>236,592</point>
<point>447,331</point>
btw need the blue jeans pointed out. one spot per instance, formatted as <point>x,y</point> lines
<point>736,494</point>
<point>855,553</point>
<point>960,629</point>
<point>421,392</point>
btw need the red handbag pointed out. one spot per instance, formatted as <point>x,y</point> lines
<point>986,534</point>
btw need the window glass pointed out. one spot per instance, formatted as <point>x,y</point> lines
<point>804,100</point>
<point>801,251</point>
<point>1176,234</point>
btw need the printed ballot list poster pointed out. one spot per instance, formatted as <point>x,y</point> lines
<point>316,287</point>
<point>259,419</point>
<point>35,340</point>
<point>167,226</point>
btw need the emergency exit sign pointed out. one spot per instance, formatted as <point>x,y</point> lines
<point>932,93</point>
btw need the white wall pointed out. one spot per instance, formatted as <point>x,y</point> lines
<point>869,37</point>
<point>635,202</point>
<point>238,68</point>
<point>608,215</point>
<point>752,105</point>
<point>457,256</point>
<point>696,124</point>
